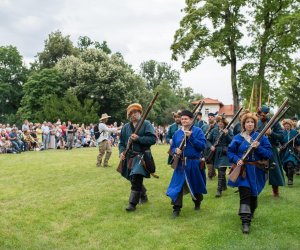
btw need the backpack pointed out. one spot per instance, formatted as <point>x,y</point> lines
<point>96,131</point>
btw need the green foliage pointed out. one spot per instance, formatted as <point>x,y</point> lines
<point>275,39</point>
<point>12,75</point>
<point>107,79</point>
<point>40,86</point>
<point>154,73</point>
<point>84,42</point>
<point>58,199</point>
<point>211,28</point>
<point>68,108</point>
<point>56,47</point>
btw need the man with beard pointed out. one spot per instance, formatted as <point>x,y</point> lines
<point>172,129</point>
<point>207,128</point>
<point>133,168</point>
<point>275,135</point>
<point>199,122</point>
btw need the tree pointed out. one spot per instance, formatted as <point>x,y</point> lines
<point>69,108</point>
<point>12,76</point>
<point>107,79</point>
<point>211,28</point>
<point>155,72</point>
<point>39,88</point>
<point>275,39</point>
<point>57,46</point>
<point>84,42</point>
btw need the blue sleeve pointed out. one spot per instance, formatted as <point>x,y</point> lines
<point>198,140</point>
<point>264,150</point>
<point>232,152</point>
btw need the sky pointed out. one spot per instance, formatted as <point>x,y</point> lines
<point>141,30</point>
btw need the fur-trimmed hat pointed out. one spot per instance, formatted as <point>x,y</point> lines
<point>287,121</point>
<point>178,113</point>
<point>249,115</point>
<point>221,118</point>
<point>134,106</point>
<point>187,113</point>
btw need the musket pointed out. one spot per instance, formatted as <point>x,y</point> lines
<point>236,170</point>
<point>217,142</point>
<point>137,129</point>
<point>288,143</point>
<point>176,157</point>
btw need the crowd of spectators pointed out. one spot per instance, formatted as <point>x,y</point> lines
<point>47,135</point>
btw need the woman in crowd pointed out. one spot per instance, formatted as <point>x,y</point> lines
<point>252,179</point>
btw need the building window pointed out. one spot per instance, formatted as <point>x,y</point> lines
<point>206,111</point>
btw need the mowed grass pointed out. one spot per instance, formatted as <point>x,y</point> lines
<point>58,199</point>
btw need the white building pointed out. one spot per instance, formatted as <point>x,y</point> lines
<point>214,106</point>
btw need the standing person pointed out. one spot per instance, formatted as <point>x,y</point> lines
<point>187,175</point>
<point>199,122</point>
<point>70,135</point>
<point>221,161</point>
<point>207,128</point>
<point>46,134</point>
<point>133,170</point>
<point>172,129</point>
<point>289,154</point>
<point>103,141</point>
<point>252,179</point>
<point>297,128</point>
<point>275,136</point>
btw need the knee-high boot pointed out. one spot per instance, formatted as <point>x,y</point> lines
<point>133,200</point>
<point>290,173</point>
<point>220,183</point>
<point>245,215</point>
<point>253,205</point>
<point>144,197</point>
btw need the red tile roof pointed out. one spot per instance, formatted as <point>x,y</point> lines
<point>209,101</point>
<point>227,109</point>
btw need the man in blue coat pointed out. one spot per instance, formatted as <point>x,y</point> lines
<point>133,168</point>
<point>187,176</point>
<point>275,135</point>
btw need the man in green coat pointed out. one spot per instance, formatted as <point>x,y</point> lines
<point>133,168</point>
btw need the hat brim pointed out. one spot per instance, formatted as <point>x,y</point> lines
<point>102,118</point>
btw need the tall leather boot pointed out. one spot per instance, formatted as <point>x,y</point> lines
<point>253,205</point>
<point>133,200</point>
<point>275,190</point>
<point>197,202</point>
<point>220,184</point>
<point>290,175</point>
<point>144,197</point>
<point>245,215</point>
<point>224,183</point>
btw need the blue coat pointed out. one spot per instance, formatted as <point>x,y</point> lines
<point>146,138</point>
<point>191,172</point>
<point>255,177</point>
<point>288,154</point>
<point>220,157</point>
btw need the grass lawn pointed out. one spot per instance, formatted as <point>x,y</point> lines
<point>58,199</point>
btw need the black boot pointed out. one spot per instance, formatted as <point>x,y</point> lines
<point>197,202</point>
<point>144,197</point>
<point>224,186</point>
<point>245,215</point>
<point>133,200</point>
<point>290,175</point>
<point>253,205</point>
<point>220,184</point>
